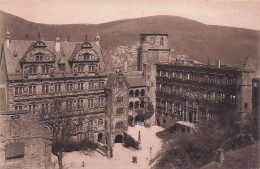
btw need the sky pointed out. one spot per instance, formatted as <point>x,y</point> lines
<point>239,13</point>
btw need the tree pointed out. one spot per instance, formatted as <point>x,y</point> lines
<point>62,126</point>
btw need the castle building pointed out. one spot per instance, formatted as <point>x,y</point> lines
<point>194,92</point>
<point>45,76</point>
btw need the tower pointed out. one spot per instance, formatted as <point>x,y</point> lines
<point>153,50</point>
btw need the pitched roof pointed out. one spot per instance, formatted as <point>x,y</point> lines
<point>135,82</point>
<point>18,48</point>
<point>247,157</point>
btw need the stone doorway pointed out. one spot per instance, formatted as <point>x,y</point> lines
<point>100,136</point>
<point>130,120</point>
<point>139,118</point>
<point>119,139</point>
<point>190,117</point>
<point>158,122</point>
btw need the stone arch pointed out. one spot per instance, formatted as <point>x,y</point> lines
<point>131,105</point>
<point>136,93</point>
<point>142,92</point>
<point>136,105</point>
<point>131,93</point>
<point>119,138</point>
<point>139,118</point>
<point>142,105</point>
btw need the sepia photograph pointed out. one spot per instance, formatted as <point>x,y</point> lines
<point>129,84</point>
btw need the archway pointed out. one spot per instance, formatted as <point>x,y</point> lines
<point>119,139</point>
<point>158,122</point>
<point>100,135</point>
<point>130,120</point>
<point>139,118</point>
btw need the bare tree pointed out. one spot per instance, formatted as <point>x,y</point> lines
<point>62,125</point>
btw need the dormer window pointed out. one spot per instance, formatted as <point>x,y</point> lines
<point>32,70</point>
<point>91,69</point>
<point>45,70</point>
<point>80,68</point>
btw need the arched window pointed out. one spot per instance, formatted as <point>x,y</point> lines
<point>161,41</point>
<point>142,92</point>
<point>136,105</point>
<point>131,105</point>
<point>136,93</point>
<point>142,104</point>
<point>131,93</point>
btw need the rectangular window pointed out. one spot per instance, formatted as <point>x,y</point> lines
<point>119,111</point>
<point>69,87</point>
<point>14,150</point>
<point>32,108</point>
<point>91,68</point>
<point>32,89</point>
<point>45,108</point>
<point>119,125</point>
<point>80,86</point>
<point>18,91</point>
<point>80,68</point>
<point>80,104</point>
<point>90,103</point>
<point>90,85</point>
<point>45,70</point>
<point>45,88</point>
<point>119,99</point>
<point>57,88</point>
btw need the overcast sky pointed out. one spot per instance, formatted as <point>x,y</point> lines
<point>244,14</point>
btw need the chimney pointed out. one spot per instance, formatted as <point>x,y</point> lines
<point>7,39</point>
<point>208,62</point>
<point>217,62</point>
<point>220,156</point>
<point>57,44</point>
<point>97,39</point>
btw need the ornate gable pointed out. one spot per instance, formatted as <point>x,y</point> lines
<point>39,44</point>
<point>38,53</point>
<point>86,45</point>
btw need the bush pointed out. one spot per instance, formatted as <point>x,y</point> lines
<point>193,150</point>
<point>129,141</point>
<point>77,146</point>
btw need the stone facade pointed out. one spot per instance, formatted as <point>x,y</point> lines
<point>38,73</point>
<point>195,92</point>
<point>117,108</point>
<point>153,50</point>
<point>24,142</point>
